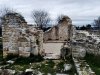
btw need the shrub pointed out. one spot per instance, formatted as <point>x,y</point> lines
<point>94,62</point>
<point>26,60</point>
<point>11,56</point>
<point>95,59</point>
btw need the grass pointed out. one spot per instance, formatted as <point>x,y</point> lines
<point>23,63</point>
<point>56,67</point>
<point>94,62</point>
<point>38,64</point>
<point>47,66</point>
<point>1,55</point>
<point>1,52</point>
<point>19,60</point>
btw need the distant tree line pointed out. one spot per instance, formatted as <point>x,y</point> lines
<point>84,27</point>
<point>94,26</point>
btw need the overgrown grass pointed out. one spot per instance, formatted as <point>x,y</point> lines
<point>48,67</point>
<point>1,55</point>
<point>21,63</point>
<point>0,43</point>
<point>25,60</point>
<point>94,62</point>
<point>1,50</point>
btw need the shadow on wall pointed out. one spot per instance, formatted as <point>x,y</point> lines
<point>65,52</point>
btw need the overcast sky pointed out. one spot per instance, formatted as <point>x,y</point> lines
<point>80,11</point>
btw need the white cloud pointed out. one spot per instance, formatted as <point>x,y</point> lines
<point>81,12</point>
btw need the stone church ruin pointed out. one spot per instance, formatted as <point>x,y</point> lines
<point>23,39</point>
<point>20,38</point>
<point>60,32</point>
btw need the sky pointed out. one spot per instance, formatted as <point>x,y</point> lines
<point>81,12</point>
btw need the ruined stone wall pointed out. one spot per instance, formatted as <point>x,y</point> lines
<point>19,38</point>
<point>52,34</point>
<point>88,42</point>
<point>40,40</point>
<point>60,32</point>
<point>63,31</point>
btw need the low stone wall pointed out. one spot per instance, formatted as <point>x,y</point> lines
<point>82,67</point>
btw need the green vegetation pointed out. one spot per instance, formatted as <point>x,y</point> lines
<point>11,56</point>
<point>0,43</point>
<point>21,63</point>
<point>27,60</point>
<point>53,67</point>
<point>37,63</point>
<point>94,62</point>
<point>1,53</point>
<point>47,67</point>
<point>19,60</point>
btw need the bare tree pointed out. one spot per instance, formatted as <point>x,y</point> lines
<point>41,18</point>
<point>97,24</point>
<point>59,18</point>
<point>3,12</point>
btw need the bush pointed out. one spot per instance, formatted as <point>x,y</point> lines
<point>60,65</point>
<point>94,62</point>
<point>1,43</point>
<point>26,60</point>
<point>36,58</point>
<point>11,56</point>
<point>95,59</point>
<point>48,67</point>
<point>50,63</point>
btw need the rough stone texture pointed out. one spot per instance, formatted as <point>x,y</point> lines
<point>55,37</point>
<point>23,39</point>
<point>60,32</point>
<point>18,37</point>
<point>52,48</point>
<point>84,41</point>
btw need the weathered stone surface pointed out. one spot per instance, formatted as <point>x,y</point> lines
<point>19,38</point>
<point>60,32</point>
<point>85,41</point>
